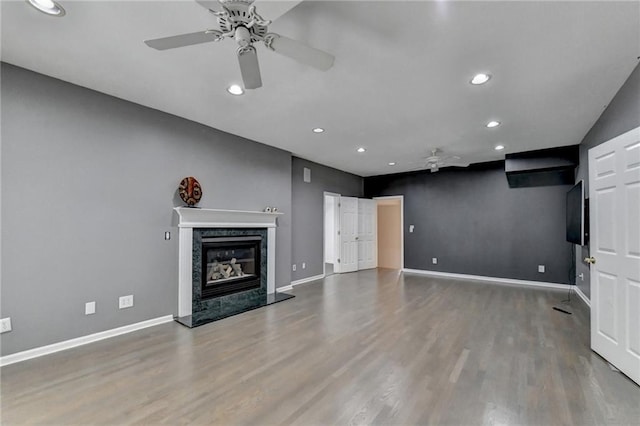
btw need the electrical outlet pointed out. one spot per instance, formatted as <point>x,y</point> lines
<point>581,276</point>
<point>541,269</point>
<point>5,325</point>
<point>90,308</point>
<point>126,301</point>
<point>434,260</point>
<point>294,267</point>
<point>304,265</point>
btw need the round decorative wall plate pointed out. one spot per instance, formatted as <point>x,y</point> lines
<point>190,190</point>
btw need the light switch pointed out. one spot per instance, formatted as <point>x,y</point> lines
<point>410,228</point>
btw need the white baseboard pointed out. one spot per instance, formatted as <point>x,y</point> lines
<point>79,341</point>
<point>490,279</point>
<point>307,280</point>
<point>285,288</point>
<point>583,296</point>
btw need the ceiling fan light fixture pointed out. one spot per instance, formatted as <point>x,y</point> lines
<point>49,7</point>
<point>235,89</point>
<point>479,79</point>
<point>499,147</point>
<point>493,124</point>
<point>361,150</point>
<point>318,130</point>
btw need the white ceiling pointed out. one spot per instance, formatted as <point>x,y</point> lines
<point>399,86</point>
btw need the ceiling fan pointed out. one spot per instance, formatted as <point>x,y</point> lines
<point>239,20</point>
<point>435,161</point>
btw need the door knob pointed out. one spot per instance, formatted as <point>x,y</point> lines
<point>590,260</point>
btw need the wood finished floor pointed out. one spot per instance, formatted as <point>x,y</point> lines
<point>373,347</point>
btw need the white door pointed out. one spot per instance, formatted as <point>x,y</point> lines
<point>614,195</point>
<point>348,235</point>
<point>367,234</point>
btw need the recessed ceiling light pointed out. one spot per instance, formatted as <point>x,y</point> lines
<point>47,6</point>
<point>499,147</point>
<point>318,130</point>
<point>493,124</point>
<point>361,149</point>
<point>235,89</point>
<point>480,79</point>
<point>392,163</point>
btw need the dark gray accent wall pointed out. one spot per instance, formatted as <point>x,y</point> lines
<point>473,223</point>
<point>88,186</point>
<point>308,211</point>
<point>621,115</point>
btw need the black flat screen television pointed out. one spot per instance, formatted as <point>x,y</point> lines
<point>576,214</point>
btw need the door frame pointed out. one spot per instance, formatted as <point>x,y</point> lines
<point>401,198</point>
<point>336,225</point>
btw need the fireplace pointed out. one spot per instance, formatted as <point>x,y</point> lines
<point>226,263</point>
<point>230,265</point>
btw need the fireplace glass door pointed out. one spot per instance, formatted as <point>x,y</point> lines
<point>230,265</point>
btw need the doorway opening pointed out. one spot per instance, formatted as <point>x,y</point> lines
<point>331,226</point>
<point>390,232</point>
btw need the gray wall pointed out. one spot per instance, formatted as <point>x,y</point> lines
<point>621,115</point>
<point>88,187</point>
<point>473,223</point>
<point>308,211</point>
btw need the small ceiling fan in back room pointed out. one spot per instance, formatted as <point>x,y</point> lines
<point>240,21</point>
<point>438,160</point>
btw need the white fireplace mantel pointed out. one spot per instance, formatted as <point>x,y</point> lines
<point>214,218</point>
<point>190,218</point>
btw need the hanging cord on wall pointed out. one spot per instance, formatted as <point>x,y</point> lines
<point>572,277</point>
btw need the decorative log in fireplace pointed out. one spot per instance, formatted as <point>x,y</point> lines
<point>230,265</point>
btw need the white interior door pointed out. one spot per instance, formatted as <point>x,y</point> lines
<point>614,195</point>
<point>348,235</point>
<point>367,234</point>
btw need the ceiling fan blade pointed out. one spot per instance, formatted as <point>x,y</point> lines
<point>270,9</point>
<point>249,67</point>
<point>209,4</point>
<point>183,40</point>
<point>300,52</point>
<point>458,164</point>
